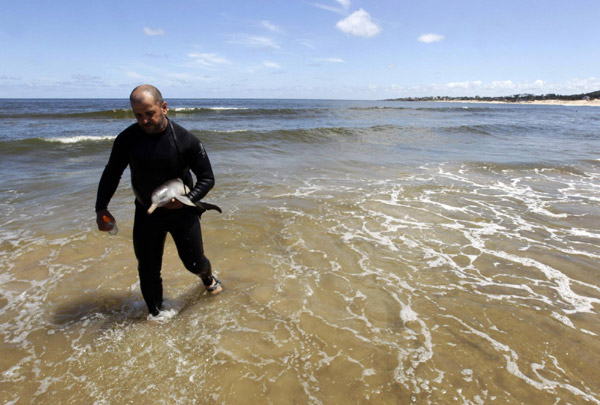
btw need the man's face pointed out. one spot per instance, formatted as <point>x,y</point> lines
<point>151,116</point>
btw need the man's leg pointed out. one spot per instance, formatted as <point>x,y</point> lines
<point>148,244</point>
<point>187,236</point>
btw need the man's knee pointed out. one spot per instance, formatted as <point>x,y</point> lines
<point>203,269</point>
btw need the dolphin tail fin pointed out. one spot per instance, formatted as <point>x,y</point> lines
<point>202,207</point>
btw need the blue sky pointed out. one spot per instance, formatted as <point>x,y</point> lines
<point>338,49</point>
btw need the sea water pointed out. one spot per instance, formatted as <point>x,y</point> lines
<point>371,252</point>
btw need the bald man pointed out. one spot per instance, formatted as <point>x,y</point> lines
<point>156,150</point>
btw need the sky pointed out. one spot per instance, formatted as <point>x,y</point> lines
<point>323,49</point>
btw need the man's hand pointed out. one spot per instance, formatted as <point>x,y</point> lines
<point>103,225</point>
<point>174,204</point>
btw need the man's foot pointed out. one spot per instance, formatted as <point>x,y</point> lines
<point>215,287</point>
<point>156,310</point>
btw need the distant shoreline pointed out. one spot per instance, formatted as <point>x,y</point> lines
<point>587,103</point>
<point>589,99</point>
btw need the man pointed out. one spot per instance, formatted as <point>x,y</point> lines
<point>156,150</point>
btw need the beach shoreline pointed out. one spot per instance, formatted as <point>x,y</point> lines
<point>576,103</point>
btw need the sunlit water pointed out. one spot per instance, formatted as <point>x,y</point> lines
<point>371,252</point>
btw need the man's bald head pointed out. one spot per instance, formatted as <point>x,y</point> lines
<point>141,92</point>
<point>149,109</point>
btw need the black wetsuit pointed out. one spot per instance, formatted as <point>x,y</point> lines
<point>153,159</point>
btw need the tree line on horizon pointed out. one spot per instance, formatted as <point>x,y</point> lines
<point>595,95</point>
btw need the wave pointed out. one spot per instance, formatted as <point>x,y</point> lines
<point>200,109</point>
<point>317,134</point>
<point>80,139</point>
<point>242,112</point>
<point>126,113</point>
<point>448,109</point>
<point>248,113</point>
<point>493,143</point>
<point>69,145</point>
<point>245,136</point>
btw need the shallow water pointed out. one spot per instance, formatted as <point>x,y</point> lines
<point>370,252</point>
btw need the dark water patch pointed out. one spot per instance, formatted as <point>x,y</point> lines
<point>378,108</point>
<point>249,114</point>
<point>468,129</point>
<point>104,114</point>
<point>458,109</point>
<point>249,137</point>
<point>593,162</point>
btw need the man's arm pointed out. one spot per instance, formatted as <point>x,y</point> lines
<point>111,176</point>
<point>200,166</point>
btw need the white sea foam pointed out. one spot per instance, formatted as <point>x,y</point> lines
<point>563,319</point>
<point>234,131</point>
<point>408,315</point>
<point>81,138</point>
<point>164,316</point>
<point>577,302</point>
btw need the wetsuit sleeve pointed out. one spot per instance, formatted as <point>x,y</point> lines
<point>111,176</point>
<point>200,166</point>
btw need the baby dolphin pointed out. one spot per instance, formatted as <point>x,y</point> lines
<point>164,193</point>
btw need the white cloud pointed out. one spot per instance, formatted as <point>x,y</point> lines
<point>80,77</point>
<point>134,75</point>
<point>208,59</point>
<point>331,60</point>
<point>464,85</point>
<point>270,26</point>
<point>359,24</point>
<point>503,88</point>
<point>329,8</point>
<point>272,65</point>
<point>429,38</point>
<point>188,79</point>
<point>344,3</point>
<point>153,32</point>
<point>579,86</point>
<point>502,84</point>
<point>307,43</point>
<point>469,88</point>
<point>254,41</point>
<point>156,55</point>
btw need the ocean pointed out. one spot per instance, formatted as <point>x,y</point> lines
<point>371,252</point>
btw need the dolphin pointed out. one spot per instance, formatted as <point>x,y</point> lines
<point>176,189</point>
<point>164,193</point>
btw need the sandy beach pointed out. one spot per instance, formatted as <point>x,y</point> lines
<point>590,103</point>
<point>372,252</point>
